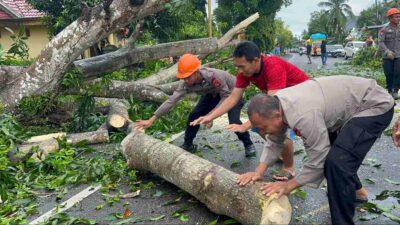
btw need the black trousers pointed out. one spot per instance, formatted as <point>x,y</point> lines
<point>203,107</point>
<point>391,68</point>
<point>348,149</point>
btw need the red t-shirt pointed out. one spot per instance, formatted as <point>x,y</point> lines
<point>275,74</point>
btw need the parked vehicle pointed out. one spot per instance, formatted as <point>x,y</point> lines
<point>352,47</point>
<point>335,50</point>
<point>302,50</point>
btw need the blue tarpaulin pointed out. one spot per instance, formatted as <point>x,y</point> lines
<point>317,36</point>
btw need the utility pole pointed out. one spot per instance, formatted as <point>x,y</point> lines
<point>209,18</point>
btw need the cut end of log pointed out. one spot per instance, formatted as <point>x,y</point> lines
<point>117,121</point>
<point>276,211</point>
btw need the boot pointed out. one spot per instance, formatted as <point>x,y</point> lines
<point>189,147</point>
<point>250,150</point>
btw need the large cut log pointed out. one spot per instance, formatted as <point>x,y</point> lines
<point>49,143</point>
<point>95,24</point>
<point>167,75</point>
<point>213,185</point>
<point>106,63</point>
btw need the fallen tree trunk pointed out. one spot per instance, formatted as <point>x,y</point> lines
<point>213,185</point>
<point>168,75</point>
<point>106,63</point>
<point>49,143</point>
<point>96,23</point>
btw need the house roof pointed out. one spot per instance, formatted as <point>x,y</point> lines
<point>18,9</point>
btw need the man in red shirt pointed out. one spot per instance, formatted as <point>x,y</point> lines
<point>269,74</point>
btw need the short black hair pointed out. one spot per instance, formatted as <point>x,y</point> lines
<point>264,105</point>
<point>247,49</point>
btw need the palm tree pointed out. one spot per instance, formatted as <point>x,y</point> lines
<point>337,12</point>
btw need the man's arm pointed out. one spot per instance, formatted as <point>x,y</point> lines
<point>247,125</point>
<point>164,108</point>
<point>396,133</point>
<point>224,107</point>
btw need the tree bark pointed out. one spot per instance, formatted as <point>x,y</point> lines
<point>9,73</point>
<point>46,72</point>
<point>106,63</point>
<point>213,185</point>
<point>48,143</point>
<point>168,75</point>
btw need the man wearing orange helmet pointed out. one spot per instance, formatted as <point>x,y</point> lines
<point>214,86</point>
<point>389,46</point>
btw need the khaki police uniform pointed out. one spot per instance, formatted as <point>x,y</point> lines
<point>215,87</point>
<point>338,127</point>
<point>389,42</point>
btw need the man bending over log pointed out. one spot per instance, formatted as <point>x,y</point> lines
<point>338,128</point>
<point>214,85</point>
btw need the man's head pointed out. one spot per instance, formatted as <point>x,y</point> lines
<point>265,114</point>
<point>247,58</point>
<point>188,69</point>
<point>394,15</point>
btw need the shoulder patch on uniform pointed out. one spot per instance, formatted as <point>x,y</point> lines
<point>297,132</point>
<point>215,82</point>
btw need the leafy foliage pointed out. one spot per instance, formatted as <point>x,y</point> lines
<point>319,24</point>
<point>18,47</point>
<point>369,58</point>
<point>336,13</point>
<point>69,166</point>
<point>175,23</point>
<point>60,14</point>
<point>262,31</point>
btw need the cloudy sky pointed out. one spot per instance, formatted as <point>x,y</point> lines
<point>297,15</point>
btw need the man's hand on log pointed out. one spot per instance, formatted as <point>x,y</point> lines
<point>143,124</point>
<point>201,120</point>
<point>248,177</point>
<point>279,187</point>
<point>396,133</point>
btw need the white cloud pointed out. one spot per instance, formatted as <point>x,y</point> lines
<point>297,15</point>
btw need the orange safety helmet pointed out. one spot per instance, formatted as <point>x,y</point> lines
<point>392,11</point>
<point>187,65</point>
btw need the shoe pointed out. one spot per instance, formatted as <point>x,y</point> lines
<point>283,175</point>
<point>395,95</point>
<point>250,150</point>
<point>189,147</point>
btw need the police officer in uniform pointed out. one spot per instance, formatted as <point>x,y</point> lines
<point>214,86</point>
<point>389,46</point>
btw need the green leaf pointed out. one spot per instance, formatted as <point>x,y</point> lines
<point>157,218</point>
<point>235,164</point>
<point>98,207</point>
<point>392,181</point>
<point>184,218</point>
<point>158,194</point>
<point>173,201</point>
<point>125,221</point>
<point>370,216</point>
<point>299,193</point>
<point>392,217</point>
<point>214,222</point>
<point>369,181</point>
<point>298,152</point>
<point>230,221</point>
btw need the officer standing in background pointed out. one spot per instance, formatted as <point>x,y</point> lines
<point>389,46</point>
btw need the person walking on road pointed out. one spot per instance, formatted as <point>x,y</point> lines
<point>389,46</point>
<point>324,55</point>
<point>309,48</point>
<point>214,86</point>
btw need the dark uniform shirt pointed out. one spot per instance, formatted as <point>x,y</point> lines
<point>389,40</point>
<point>215,82</point>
